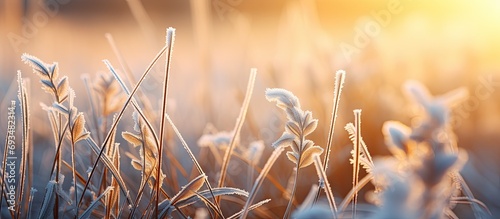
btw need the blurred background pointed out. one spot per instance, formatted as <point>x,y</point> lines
<point>297,45</point>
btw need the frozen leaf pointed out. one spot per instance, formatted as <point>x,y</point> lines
<point>61,109</point>
<point>38,65</point>
<point>307,157</point>
<point>284,141</point>
<point>284,99</point>
<point>78,131</point>
<point>190,189</point>
<point>132,138</point>
<point>292,128</point>
<point>292,156</point>
<point>396,137</point>
<point>310,126</point>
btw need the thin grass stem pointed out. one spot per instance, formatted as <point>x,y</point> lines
<point>292,194</point>
<point>237,128</point>
<point>357,148</point>
<point>170,43</point>
<point>328,190</point>
<point>339,83</point>
<point>258,182</point>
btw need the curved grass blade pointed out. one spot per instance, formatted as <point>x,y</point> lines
<point>237,128</point>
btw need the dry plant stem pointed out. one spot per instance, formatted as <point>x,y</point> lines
<point>211,205</point>
<point>328,190</point>
<point>354,190</point>
<point>170,43</point>
<point>259,170</point>
<point>258,182</point>
<point>140,193</point>
<point>252,124</point>
<point>58,161</point>
<point>466,190</point>
<point>73,169</point>
<point>4,184</point>
<point>108,163</point>
<point>339,83</point>
<point>23,96</point>
<point>114,183</point>
<point>151,201</point>
<point>115,123</point>
<point>193,158</point>
<point>23,99</point>
<point>357,147</point>
<point>239,123</point>
<point>292,195</point>
<point>59,144</point>
<point>467,200</point>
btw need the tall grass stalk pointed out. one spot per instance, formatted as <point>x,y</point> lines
<point>339,83</point>
<point>292,194</point>
<point>170,44</point>
<point>236,131</point>
<point>354,190</point>
<point>25,154</point>
<point>357,148</point>
<point>328,190</point>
